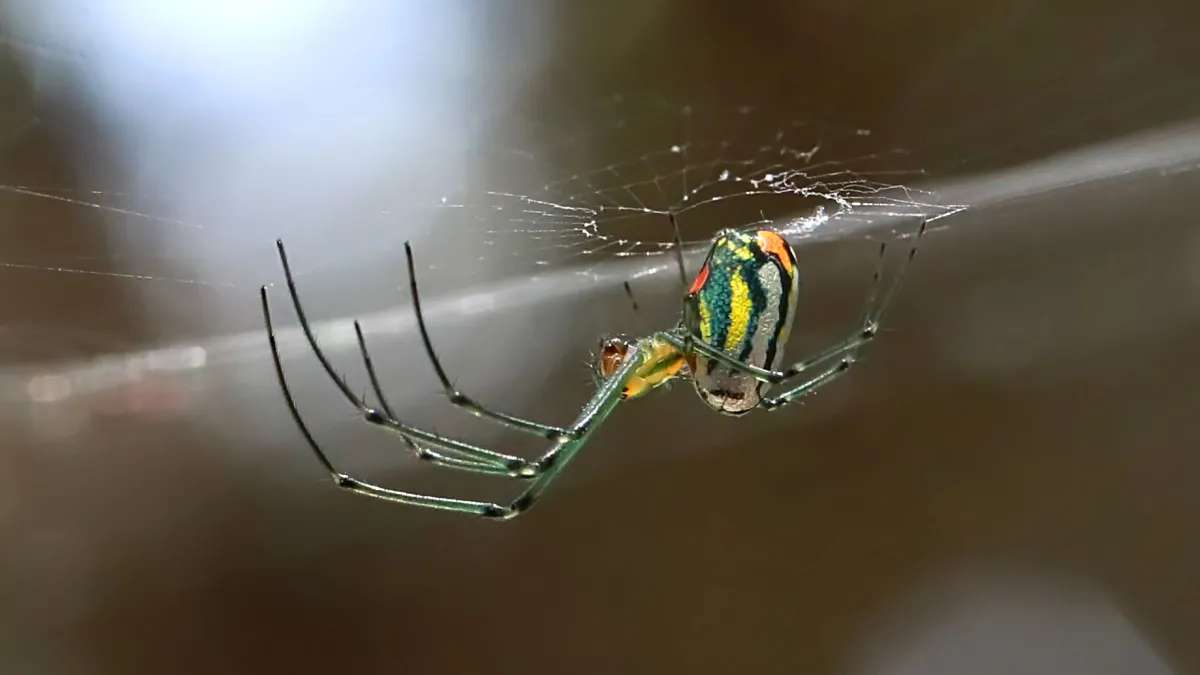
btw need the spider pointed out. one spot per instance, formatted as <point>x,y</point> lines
<point>729,341</point>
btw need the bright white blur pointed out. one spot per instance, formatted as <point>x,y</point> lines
<point>315,121</point>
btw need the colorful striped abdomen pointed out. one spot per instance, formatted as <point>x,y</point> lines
<point>742,302</point>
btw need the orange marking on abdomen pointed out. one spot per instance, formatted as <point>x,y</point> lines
<point>701,277</point>
<point>777,246</point>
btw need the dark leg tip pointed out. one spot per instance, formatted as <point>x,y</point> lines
<point>547,462</point>
<point>497,513</point>
<point>522,504</point>
<point>520,467</point>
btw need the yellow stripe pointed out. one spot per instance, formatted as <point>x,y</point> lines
<point>739,249</point>
<point>705,321</point>
<point>739,311</point>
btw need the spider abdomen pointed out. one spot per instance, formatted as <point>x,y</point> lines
<point>742,302</point>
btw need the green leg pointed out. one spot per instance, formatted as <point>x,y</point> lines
<point>695,344</point>
<point>460,460</point>
<point>850,348</point>
<point>546,469</point>
<point>457,397</point>
<point>808,386</point>
<point>460,455</point>
<point>778,376</point>
<point>551,464</point>
<point>846,351</point>
<point>346,482</point>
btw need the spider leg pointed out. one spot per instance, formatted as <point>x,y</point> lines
<point>457,397</point>
<point>551,464</point>
<point>353,484</point>
<point>873,308</point>
<point>808,386</point>
<point>849,349</point>
<point>762,374</point>
<point>548,467</point>
<point>422,453</point>
<point>461,455</point>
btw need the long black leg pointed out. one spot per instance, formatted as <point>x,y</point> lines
<point>470,454</point>
<point>549,466</point>
<point>342,480</point>
<point>422,453</point>
<point>457,397</point>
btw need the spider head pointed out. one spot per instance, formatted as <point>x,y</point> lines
<point>610,355</point>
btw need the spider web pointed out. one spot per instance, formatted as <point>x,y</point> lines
<point>575,188</point>
<point>565,187</point>
<point>607,190</point>
<point>557,183</point>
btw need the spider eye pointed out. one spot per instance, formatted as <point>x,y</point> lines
<point>611,354</point>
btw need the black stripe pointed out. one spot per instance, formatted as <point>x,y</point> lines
<point>758,299</point>
<point>785,295</point>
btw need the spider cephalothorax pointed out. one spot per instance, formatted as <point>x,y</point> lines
<point>662,361</point>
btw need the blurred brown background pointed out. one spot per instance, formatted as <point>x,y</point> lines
<point>1023,438</point>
